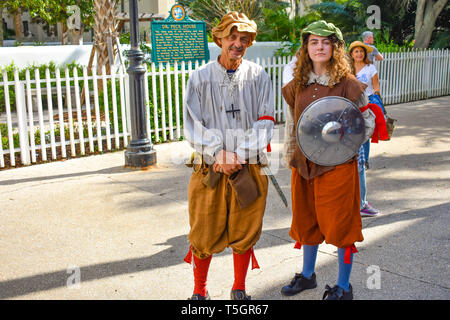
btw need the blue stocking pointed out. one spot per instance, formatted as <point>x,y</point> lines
<point>344,270</point>
<point>309,259</point>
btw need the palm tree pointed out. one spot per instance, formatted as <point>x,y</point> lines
<point>104,27</point>
<point>211,11</point>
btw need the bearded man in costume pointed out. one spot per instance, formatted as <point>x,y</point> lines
<point>325,199</point>
<point>228,120</point>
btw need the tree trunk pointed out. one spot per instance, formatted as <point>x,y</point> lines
<point>18,25</point>
<point>76,36</point>
<point>104,26</point>
<point>426,15</point>
<point>64,33</point>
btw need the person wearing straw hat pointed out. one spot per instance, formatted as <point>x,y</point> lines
<point>228,120</point>
<point>325,199</point>
<point>368,74</point>
<point>365,71</point>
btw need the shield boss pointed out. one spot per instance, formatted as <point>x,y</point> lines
<point>330,131</point>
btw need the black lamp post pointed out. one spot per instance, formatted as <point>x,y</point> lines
<point>140,152</point>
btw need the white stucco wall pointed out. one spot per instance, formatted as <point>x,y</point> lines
<point>28,55</point>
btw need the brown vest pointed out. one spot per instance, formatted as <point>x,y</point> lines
<point>349,88</point>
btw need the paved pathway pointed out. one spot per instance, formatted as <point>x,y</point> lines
<point>124,232</point>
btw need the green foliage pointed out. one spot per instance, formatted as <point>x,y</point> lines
<point>13,6</point>
<point>277,26</point>
<point>384,42</point>
<point>125,39</point>
<point>397,21</point>
<point>211,11</point>
<point>54,11</point>
<point>442,40</point>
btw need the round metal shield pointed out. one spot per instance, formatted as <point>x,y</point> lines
<point>330,131</point>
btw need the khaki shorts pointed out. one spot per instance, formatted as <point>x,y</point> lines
<point>216,219</point>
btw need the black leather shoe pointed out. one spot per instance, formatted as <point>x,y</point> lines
<point>298,284</point>
<point>239,295</point>
<point>198,296</point>
<point>337,293</point>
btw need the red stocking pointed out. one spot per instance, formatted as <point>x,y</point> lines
<point>241,262</point>
<point>201,267</point>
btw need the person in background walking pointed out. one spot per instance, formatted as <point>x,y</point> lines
<point>372,56</point>
<point>367,74</point>
<point>367,37</point>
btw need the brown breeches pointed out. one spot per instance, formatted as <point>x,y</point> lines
<point>327,207</point>
<point>216,219</point>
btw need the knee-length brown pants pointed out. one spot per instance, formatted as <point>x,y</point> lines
<point>327,207</point>
<point>216,219</point>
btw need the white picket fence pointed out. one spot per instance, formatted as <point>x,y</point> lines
<point>36,133</point>
<point>70,128</point>
<point>414,75</point>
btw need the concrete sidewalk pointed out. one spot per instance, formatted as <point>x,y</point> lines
<point>124,232</point>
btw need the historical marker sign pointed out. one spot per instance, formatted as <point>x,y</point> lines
<point>179,38</point>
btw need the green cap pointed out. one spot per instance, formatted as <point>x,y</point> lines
<point>323,29</point>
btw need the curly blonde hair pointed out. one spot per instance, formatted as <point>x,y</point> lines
<point>338,67</point>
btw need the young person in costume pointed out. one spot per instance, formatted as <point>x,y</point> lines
<point>367,74</point>
<point>325,199</point>
<point>228,119</point>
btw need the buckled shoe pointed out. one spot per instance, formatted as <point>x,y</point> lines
<point>337,293</point>
<point>298,284</point>
<point>198,296</point>
<point>239,295</point>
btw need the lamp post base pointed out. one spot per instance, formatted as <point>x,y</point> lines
<point>140,158</point>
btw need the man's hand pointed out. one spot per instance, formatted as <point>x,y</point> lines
<point>228,162</point>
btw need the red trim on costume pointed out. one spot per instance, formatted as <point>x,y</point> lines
<point>269,149</point>
<point>348,253</point>
<point>362,109</point>
<point>297,245</point>
<point>255,264</point>
<point>188,257</point>
<point>380,130</point>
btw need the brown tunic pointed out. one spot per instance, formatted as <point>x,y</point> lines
<point>325,199</point>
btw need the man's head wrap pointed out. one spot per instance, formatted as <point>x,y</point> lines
<point>234,19</point>
<point>323,29</point>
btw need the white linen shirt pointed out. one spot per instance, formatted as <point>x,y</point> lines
<point>210,93</point>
